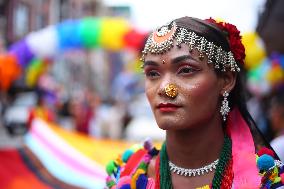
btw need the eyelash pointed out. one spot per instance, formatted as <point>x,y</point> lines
<point>189,68</point>
<point>151,73</point>
<point>184,70</point>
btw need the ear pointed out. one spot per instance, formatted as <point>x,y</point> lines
<point>228,81</point>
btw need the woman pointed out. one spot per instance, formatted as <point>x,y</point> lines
<point>193,83</point>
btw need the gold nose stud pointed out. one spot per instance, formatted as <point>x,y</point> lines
<point>171,90</point>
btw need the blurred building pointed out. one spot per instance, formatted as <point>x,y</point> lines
<point>79,8</point>
<point>19,17</point>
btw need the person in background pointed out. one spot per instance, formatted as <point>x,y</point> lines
<point>41,111</point>
<point>276,115</point>
<point>83,109</point>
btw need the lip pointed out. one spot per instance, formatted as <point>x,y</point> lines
<point>168,107</point>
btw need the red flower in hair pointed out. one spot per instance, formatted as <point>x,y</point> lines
<point>236,46</point>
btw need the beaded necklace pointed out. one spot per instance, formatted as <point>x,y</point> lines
<point>223,175</point>
<point>137,176</point>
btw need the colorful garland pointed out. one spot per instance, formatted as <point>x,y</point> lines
<point>137,176</point>
<point>129,171</point>
<point>117,169</point>
<point>271,170</point>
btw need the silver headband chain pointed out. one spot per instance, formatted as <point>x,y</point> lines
<point>221,58</point>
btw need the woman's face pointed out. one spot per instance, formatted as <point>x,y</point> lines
<point>199,88</point>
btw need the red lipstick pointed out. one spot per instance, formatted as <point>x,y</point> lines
<point>167,107</point>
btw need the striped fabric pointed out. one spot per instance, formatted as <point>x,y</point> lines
<point>56,158</point>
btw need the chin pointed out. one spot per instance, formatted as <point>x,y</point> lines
<point>171,120</point>
<point>167,124</point>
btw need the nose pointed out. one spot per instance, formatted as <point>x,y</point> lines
<point>168,89</point>
<point>171,90</point>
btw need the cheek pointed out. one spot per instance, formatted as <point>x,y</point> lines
<point>150,91</point>
<point>201,89</point>
<point>204,90</point>
<point>203,96</point>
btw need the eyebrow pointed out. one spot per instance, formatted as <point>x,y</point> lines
<point>150,63</point>
<point>182,58</point>
<point>174,61</point>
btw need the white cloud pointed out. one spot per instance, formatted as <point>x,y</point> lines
<point>149,14</point>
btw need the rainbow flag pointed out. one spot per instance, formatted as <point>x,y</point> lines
<point>53,157</point>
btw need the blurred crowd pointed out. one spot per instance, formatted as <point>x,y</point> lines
<point>101,101</point>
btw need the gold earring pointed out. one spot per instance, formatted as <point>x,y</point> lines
<point>171,90</point>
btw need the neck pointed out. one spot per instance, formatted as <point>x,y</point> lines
<point>194,148</point>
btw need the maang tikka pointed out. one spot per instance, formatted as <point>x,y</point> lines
<point>225,109</point>
<point>162,40</point>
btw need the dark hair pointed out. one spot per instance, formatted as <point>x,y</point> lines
<point>208,30</point>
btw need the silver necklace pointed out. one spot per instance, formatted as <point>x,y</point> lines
<point>193,172</point>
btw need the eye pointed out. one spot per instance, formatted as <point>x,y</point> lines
<point>186,70</point>
<point>152,74</point>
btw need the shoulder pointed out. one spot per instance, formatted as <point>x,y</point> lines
<point>270,169</point>
<point>130,167</point>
